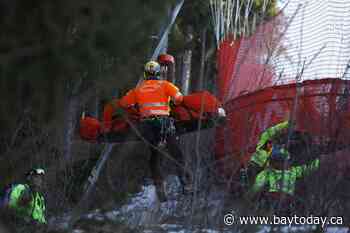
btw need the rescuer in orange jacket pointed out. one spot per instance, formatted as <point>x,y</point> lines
<point>152,99</point>
<point>153,95</point>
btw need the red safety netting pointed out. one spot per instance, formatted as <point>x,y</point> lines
<point>244,65</point>
<point>322,110</point>
<point>257,85</point>
<point>249,70</point>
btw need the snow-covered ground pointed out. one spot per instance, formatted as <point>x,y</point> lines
<point>144,213</point>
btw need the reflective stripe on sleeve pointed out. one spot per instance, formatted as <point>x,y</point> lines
<point>151,112</point>
<point>156,104</point>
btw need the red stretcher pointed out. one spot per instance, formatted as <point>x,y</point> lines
<point>115,125</point>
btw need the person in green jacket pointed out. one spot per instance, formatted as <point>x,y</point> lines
<point>259,160</point>
<point>26,201</point>
<point>279,177</point>
<point>267,138</point>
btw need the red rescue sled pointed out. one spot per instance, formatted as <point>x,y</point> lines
<point>115,125</point>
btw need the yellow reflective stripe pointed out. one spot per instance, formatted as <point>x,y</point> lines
<point>157,104</point>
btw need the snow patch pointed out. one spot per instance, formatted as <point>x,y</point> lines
<point>78,231</point>
<point>145,199</point>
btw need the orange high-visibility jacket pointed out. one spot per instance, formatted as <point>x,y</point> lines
<point>152,97</point>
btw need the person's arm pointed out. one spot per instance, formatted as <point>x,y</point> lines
<point>25,198</point>
<point>259,157</point>
<point>270,133</point>
<point>306,169</point>
<point>128,100</point>
<point>260,182</point>
<point>20,196</point>
<point>261,154</point>
<point>111,109</point>
<point>173,92</point>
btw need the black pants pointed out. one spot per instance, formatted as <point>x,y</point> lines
<point>11,223</point>
<point>155,131</point>
<point>252,171</point>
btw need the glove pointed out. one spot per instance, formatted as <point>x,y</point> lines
<point>221,113</point>
<point>221,116</point>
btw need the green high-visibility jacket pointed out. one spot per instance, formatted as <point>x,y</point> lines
<point>261,154</point>
<point>282,181</point>
<point>35,210</point>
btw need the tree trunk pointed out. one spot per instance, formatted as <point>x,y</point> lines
<point>70,124</point>
<point>171,73</point>
<point>178,67</point>
<point>71,116</point>
<point>186,62</point>
<point>97,103</point>
<point>201,80</point>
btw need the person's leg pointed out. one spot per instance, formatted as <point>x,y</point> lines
<point>151,133</point>
<point>154,164</point>
<point>176,153</point>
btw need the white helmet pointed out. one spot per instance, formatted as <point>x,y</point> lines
<point>152,70</point>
